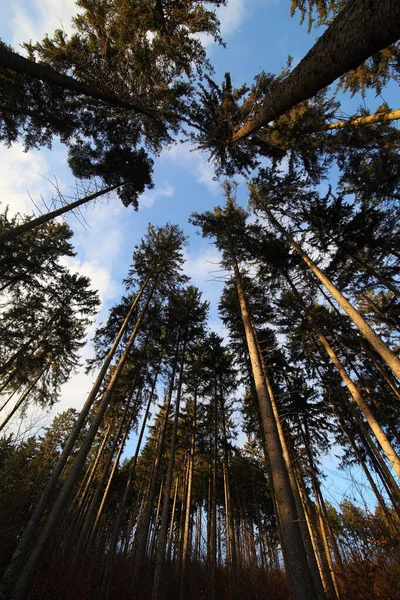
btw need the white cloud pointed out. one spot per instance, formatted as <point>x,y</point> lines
<point>231,16</point>
<point>43,17</point>
<point>21,172</point>
<point>196,163</point>
<point>148,199</point>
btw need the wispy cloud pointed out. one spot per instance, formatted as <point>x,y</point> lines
<point>43,17</point>
<point>196,163</point>
<point>149,198</point>
<point>22,172</point>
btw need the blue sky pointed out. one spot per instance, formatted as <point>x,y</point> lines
<point>259,35</point>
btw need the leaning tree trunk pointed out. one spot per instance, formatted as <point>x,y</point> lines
<point>382,349</point>
<point>372,422</point>
<point>30,225</point>
<point>357,397</point>
<point>360,30</point>
<point>366,347</point>
<point>31,529</point>
<point>379,117</point>
<point>19,64</point>
<point>299,575</point>
<point>32,564</point>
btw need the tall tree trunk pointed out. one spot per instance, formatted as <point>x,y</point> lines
<point>49,527</point>
<point>299,505</point>
<point>143,527</point>
<point>357,397</point>
<point>323,568</point>
<point>366,347</point>
<point>185,543</point>
<point>30,225</point>
<point>299,575</point>
<point>386,354</point>
<point>29,534</point>
<point>372,422</point>
<point>162,540</point>
<point>129,483</point>
<point>360,30</point>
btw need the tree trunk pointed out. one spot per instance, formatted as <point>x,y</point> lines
<point>380,117</point>
<point>162,540</point>
<point>299,575</point>
<point>372,422</point>
<point>42,542</point>
<point>386,354</point>
<point>129,483</point>
<point>19,64</point>
<point>30,225</point>
<point>27,537</point>
<point>299,505</point>
<point>360,30</point>
<point>185,543</point>
<point>143,528</point>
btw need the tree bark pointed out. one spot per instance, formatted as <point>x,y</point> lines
<point>299,575</point>
<point>360,30</point>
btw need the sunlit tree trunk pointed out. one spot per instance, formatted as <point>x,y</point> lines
<point>381,348</point>
<point>299,505</point>
<point>360,30</point>
<point>357,397</point>
<point>299,575</point>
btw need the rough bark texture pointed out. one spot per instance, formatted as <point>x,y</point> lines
<point>298,571</point>
<point>361,29</point>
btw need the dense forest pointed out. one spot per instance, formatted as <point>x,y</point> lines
<point>195,467</point>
